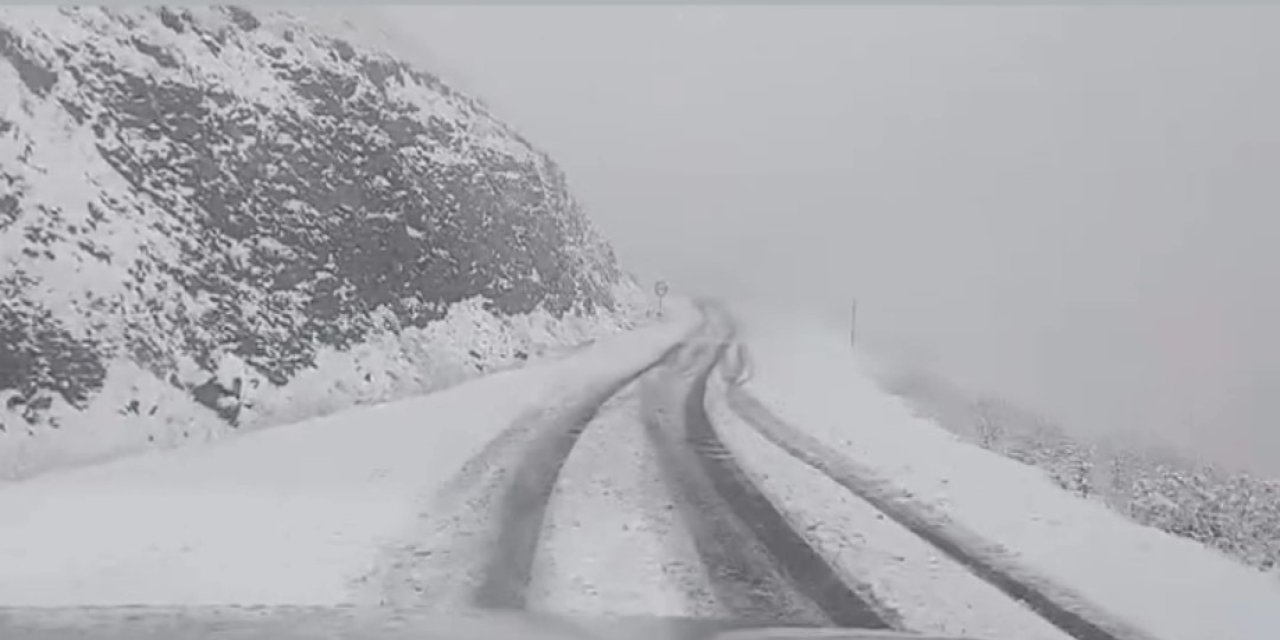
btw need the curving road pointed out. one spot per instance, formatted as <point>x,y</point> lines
<point>719,547</point>
<point>628,502</point>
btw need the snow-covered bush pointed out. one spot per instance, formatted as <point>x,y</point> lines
<point>1234,512</point>
<point>395,363</point>
<point>137,410</point>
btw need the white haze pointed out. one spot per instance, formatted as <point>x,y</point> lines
<point>1076,207</point>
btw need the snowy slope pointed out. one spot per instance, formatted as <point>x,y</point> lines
<point>298,514</point>
<point>1171,588</point>
<point>192,195</point>
<point>928,592</point>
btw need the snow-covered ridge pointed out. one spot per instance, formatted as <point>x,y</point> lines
<point>186,187</point>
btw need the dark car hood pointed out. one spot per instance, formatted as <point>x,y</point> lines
<point>355,623</point>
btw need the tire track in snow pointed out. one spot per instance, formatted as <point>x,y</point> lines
<point>760,568</point>
<point>476,537</point>
<point>613,543</point>
<point>915,585</point>
<point>441,562</point>
<point>525,497</point>
<point>1065,610</point>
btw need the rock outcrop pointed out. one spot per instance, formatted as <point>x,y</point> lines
<point>178,185</point>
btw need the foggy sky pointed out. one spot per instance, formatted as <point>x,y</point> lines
<point>1075,207</point>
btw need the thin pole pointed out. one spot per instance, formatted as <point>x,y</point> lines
<point>853,323</point>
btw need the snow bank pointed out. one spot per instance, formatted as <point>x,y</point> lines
<point>290,515</point>
<point>1173,588</point>
<point>137,411</point>
<point>402,362</point>
<point>917,585</point>
<point>1234,511</point>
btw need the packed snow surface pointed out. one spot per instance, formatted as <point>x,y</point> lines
<point>614,542</point>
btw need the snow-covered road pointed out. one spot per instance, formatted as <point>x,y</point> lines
<point>647,475</point>
<point>621,504</point>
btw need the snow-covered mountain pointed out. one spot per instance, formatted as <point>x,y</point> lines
<point>187,186</point>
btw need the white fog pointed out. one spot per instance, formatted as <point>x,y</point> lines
<point>345,321</point>
<point>1073,207</point>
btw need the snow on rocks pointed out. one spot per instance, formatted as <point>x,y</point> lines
<point>188,183</point>
<point>137,411</point>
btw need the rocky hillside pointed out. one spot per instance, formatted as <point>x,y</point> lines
<point>182,185</point>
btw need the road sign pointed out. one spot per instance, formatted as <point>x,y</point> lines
<point>660,288</point>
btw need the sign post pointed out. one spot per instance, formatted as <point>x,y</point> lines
<point>853,324</point>
<point>660,288</point>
